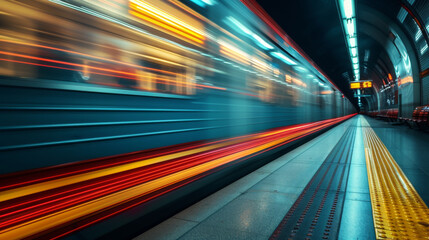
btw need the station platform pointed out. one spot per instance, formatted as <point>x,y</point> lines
<point>363,179</point>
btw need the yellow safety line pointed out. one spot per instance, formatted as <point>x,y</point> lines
<point>398,210</point>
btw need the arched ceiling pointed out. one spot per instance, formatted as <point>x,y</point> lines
<point>315,26</point>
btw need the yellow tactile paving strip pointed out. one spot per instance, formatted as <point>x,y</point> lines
<point>398,210</point>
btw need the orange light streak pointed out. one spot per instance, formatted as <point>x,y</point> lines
<point>155,16</point>
<point>167,18</point>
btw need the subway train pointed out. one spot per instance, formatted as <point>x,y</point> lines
<point>83,80</point>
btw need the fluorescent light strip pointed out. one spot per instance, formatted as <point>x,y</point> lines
<point>352,42</point>
<point>209,2</point>
<point>261,42</point>
<point>300,69</point>
<point>350,27</point>
<point>240,25</point>
<point>283,58</point>
<point>348,8</point>
<point>348,16</point>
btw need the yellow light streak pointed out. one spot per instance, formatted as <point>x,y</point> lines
<point>259,64</point>
<point>233,55</point>
<point>234,52</point>
<point>160,18</point>
<point>199,16</point>
<point>48,185</point>
<point>151,20</point>
<point>52,220</point>
<point>43,186</point>
<point>167,18</point>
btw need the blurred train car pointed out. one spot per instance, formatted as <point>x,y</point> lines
<point>119,76</point>
<point>87,79</point>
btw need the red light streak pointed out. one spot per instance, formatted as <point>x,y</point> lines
<point>51,172</point>
<point>195,160</point>
<point>129,206</point>
<point>18,211</point>
<point>134,76</point>
<point>65,63</point>
<point>89,190</point>
<point>90,56</point>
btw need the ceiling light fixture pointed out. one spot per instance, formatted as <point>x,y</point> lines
<point>348,20</point>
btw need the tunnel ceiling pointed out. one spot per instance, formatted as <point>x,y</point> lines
<point>315,26</point>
